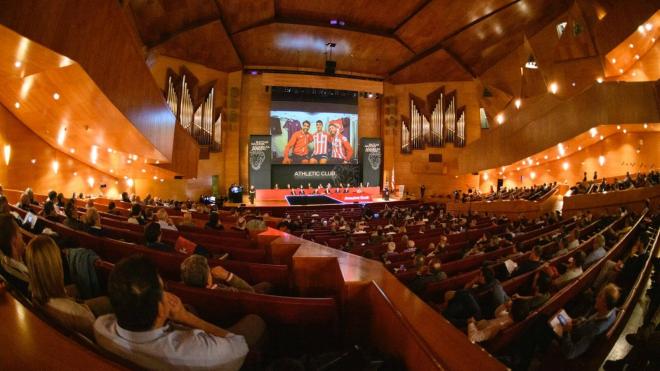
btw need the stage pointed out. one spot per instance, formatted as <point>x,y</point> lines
<point>277,197</point>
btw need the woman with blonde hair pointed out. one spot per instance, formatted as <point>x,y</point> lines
<point>44,263</point>
<point>92,220</point>
<point>164,220</point>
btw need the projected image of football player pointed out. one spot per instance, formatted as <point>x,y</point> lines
<point>341,151</point>
<point>299,142</point>
<point>320,154</point>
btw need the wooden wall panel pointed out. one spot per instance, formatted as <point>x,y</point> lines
<point>323,82</point>
<point>255,118</point>
<point>107,51</point>
<point>547,123</point>
<point>185,154</point>
<point>22,173</point>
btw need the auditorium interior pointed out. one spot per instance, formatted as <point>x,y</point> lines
<point>330,185</point>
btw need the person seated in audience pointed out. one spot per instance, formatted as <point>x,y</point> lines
<point>241,224</point>
<point>153,235</point>
<point>71,214</point>
<point>578,334</point>
<point>153,329</point>
<point>487,285</point>
<point>30,194</point>
<point>531,263</point>
<point>112,208</point>
<point>624,272</point>
<point>59,200</point>
<point>598,251</point>
<point>187,220</point>
<point>164,220</point>
<point>44,263</point>
<point>195,271</point>
<point>574,269</point>
<point>562,247</point>
<point>505,315</point>
<point>92,222</point>
<point>573,239</point>
<point>4,205</point>
<point>426,274</point>
<point>541,291</point>
<point>136,217</point>
<point>12,248</point>
<point>49,212</point>
<point>24,203</point>
<point>214,222</point>
<point>125,198</point>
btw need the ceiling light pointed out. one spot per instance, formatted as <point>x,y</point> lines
<point>653,39</point>
<point>593,132</point>
<point>109,150</point>
<point>18,64</point>
<point>621,70</point>
<point>646,126</point>
<point>517,103</point>
<point>112,171</point>
<point>601,160</point>
<point>61,135</point>
<point>33,161</point>
<point>155,177</point>
<point>129,182</point>
<point>7,153</point>
<point>157,162</point>
<point>532,175</point>
<point>144,171</point>
<point>554,87</point>
<point>625,131</point>
<point>129,161</point>
<point>531,63</point>
<point>631,45</point>
<point>641,29</point>
<point>560,148</point>
<point>545,157</point>
<point>634,73</point>
<point>599,80</point>
<point>56,166</point>
<point>94,154</point>
<point>648,26</point>
<point>17,105</point>
<point>579,148</point>
<point>602,137</point>
<point>75,173</point>
<point>72,150</point>
<point>90,181</point>
<point>500,118</point>
<point>162,180</point>
<point>613,60</point>
<point>565,165</point>
<point>56,96</point>
<point>485,176</point>
<point>618,127</point>
<point>517,169</point>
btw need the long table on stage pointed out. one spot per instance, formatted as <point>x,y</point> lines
<point>367,195</point>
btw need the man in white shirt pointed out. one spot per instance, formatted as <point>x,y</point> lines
<point>598,252</point>
<point>142,328</point>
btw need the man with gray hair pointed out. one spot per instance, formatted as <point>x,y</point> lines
<point>598,252</point>
<point>195,271</point>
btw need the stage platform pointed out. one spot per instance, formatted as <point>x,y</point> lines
<point>284,203</point>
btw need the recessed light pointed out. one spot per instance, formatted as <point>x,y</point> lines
<point>621,70</point>
<point>618,127</point>
<point>18,64</point>
<point>631,45</point>
<point>613,60</point>
<point>155,177</point>
<point>602,137</point>
<point>646,126</point>
<point>648,26</point>
<point>129,161</point>
<point>144,171</point>
<point>75,173</point>
<point>33,161</point>
<point>17,105</point>
<point>637,56</point>
<point>56,96</point>
<point>109,150</point>
<point>157,162</point>
<point>72,150</point>
<point>554,88</point>
<point>599,80</point>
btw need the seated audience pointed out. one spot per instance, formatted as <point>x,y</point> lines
<point>112,208</point>
<point>49,212</point>
<point>12,267</point>
<point>164,220</point>
<point>505,315</point>
<point>44,263</point>
<point>153,235</point>
<point>214,222</point>
<point>24,203</point>
<point>92,221</point>
<point>136,217</point>
<point>187,220</point>
<point>532,262</point>
<point>574,269</point>
<point>4,205</point>
<point>71,219</point>
<point>426,274</point>
<point>598,251</point>
<point>153,329</point>
<point>195,271</point>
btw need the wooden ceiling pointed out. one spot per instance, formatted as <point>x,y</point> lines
<point>403,41</point>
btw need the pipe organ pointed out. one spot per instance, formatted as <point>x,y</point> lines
<point>433,122</point>
<point>199,117</point>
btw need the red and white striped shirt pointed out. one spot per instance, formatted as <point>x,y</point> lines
<point>338,146</point>
<point>320,143</point>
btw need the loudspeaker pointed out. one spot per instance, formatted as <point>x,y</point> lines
<point>178,177</point>
<point>330,67</point>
